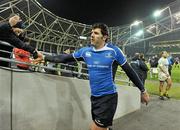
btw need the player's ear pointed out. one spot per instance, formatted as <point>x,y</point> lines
<point>105,37</point>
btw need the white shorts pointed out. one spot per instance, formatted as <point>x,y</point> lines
<point>163,77</point>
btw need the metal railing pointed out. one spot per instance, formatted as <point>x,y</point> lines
<point>11,60</point>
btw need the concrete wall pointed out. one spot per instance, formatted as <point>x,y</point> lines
<point>49,102</point>
<point>5,92</point>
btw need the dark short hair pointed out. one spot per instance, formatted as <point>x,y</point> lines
<point>66,48</point>
<point>103,27</point>
<point>137,55</point>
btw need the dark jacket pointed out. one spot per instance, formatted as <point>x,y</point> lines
<point>154,62</point>
<point>144,69</point>
<point>139,67</point>
<point>7,35</point>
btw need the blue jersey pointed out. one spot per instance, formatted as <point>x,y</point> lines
<point>99,63</point>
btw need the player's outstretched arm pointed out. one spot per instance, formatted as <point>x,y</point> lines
<point>62,58</point>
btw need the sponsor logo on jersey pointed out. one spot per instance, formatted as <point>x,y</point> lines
<point>96,62</point>
<point>88,54</point>
<point>108,55</point>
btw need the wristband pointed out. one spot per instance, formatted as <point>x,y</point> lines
<point>143,91</point>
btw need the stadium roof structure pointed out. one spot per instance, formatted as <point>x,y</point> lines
<point>44,27</point>
<point>162,44</point>
<point>52,33</point>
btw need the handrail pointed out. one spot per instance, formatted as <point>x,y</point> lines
<point>6,43</point>
<point>41,66</point>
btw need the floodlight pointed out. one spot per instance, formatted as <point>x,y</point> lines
<point>135,23</point>
<point>82,37</point>
<point>139,33</point>
<point>157,13</point>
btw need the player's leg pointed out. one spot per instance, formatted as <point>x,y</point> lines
<point>168,87</point>
<point>161,90</point>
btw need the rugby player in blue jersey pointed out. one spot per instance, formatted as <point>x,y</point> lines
<point>102,59</point>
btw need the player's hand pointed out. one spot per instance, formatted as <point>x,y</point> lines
<point>145,98</point>
<point>39,59</point>
<point>167,75</point>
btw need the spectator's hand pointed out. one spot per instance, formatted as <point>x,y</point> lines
<point>145,98</point>
<point>17,31</point>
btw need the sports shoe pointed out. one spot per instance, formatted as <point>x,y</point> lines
<point>167,96</point>
<point>161,97</point>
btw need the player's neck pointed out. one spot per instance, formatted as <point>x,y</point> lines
<point>99,46</point>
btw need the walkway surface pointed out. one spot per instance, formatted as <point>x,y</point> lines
<point>157,115</point>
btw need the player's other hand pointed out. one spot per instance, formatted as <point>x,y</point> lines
<point>145,98</point>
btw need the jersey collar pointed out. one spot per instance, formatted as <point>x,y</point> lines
<point>101,49</point>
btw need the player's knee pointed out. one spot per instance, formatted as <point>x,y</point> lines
<point>170,84</point>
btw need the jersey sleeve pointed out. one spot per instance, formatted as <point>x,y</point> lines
<point>160,63</point>
<point>120,57</point>
<point>79,53</point>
